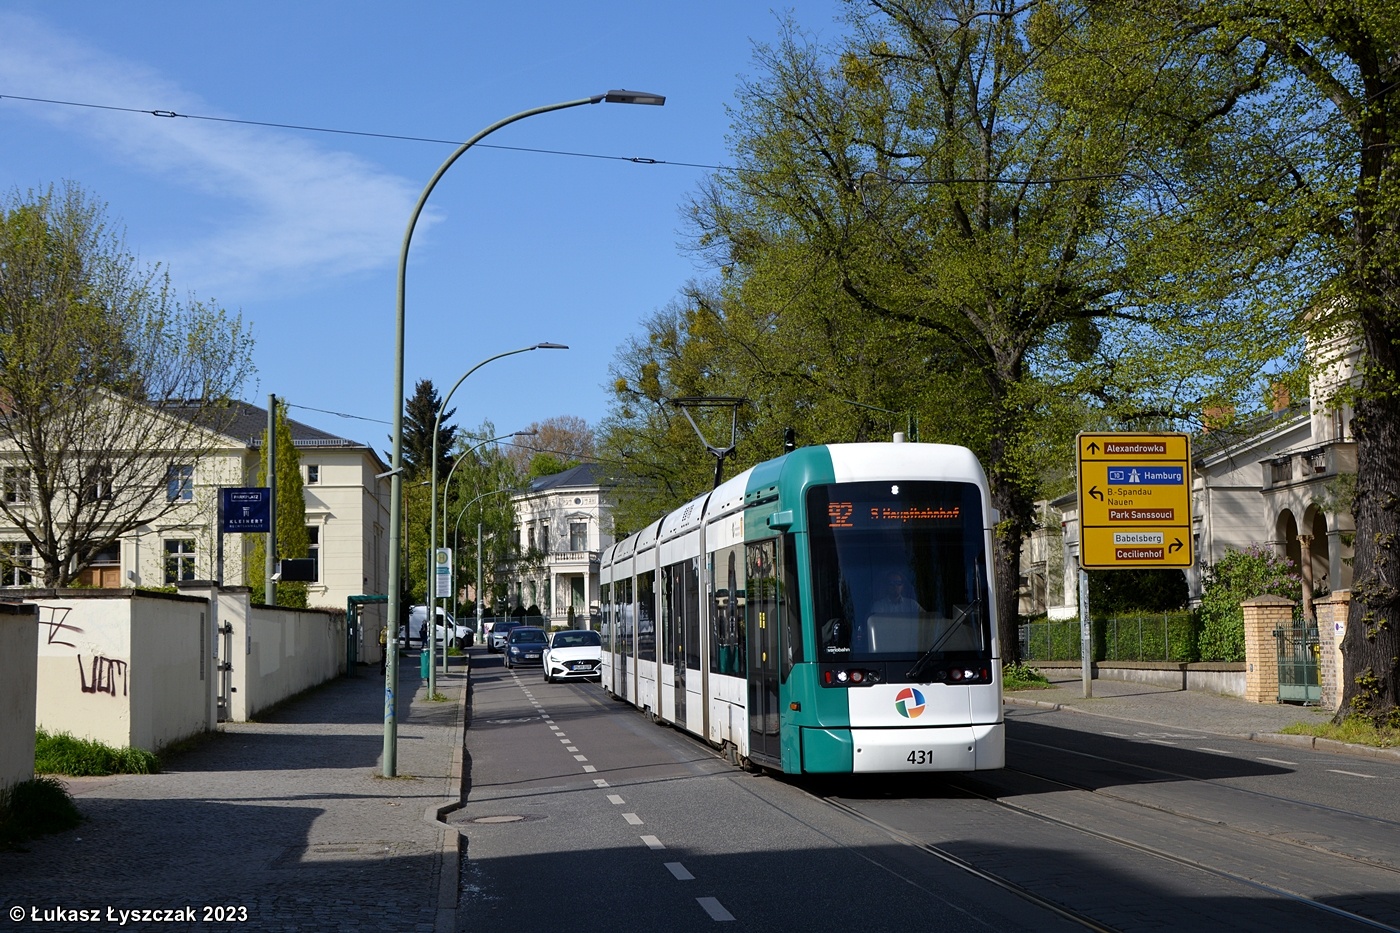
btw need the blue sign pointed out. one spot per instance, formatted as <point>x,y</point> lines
<point>245,510</point>
<point>1147,475</point>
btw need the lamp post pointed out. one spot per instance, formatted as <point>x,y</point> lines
<point>391,667</point>
<point>432,500</point>
<point>457,524</point>
<point>430,606</point>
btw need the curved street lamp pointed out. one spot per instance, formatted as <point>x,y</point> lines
<point>391,666</point>
<point>457,524</point>
<point>430,604</point>
<point>432,500</point>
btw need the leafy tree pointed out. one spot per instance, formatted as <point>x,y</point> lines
<point>107,381</point>
<point>920,225</point>
<point>1276,125</point>
<point>292,538</point>
<point>1240,575</point>
<point>1116,591</point>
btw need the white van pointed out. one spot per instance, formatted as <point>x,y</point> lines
<point>460,635</point>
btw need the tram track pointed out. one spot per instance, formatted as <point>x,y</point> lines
<point>1185,861</point>
<point>1021,891</point>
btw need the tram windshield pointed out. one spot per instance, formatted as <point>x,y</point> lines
<point>898,570</point>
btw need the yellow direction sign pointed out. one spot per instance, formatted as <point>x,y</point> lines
<point>1134,501</point>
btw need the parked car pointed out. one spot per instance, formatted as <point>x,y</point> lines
<point>524,646</point>
<point>573,654</point>
<point>499,631</point>
<point>461,635</point>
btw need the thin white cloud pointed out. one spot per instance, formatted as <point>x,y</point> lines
<point>287,210</point>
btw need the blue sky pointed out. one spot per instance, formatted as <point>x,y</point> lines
<point>300,231</point>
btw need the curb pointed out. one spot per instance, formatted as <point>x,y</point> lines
<point>450,853</point>
<point>1305,742</point>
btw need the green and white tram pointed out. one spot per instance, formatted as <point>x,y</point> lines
<point>828,611</point>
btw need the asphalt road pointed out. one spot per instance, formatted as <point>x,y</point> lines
<point>580,812</point>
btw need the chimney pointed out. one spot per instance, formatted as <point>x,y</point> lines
<point>1281,397</point>
<point>1216,417</point>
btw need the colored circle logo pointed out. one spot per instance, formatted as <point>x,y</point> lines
<point>910,703</point>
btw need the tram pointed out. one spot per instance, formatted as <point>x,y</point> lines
<point>828,611</point>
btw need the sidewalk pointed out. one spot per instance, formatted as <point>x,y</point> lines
<point>281,824</point>
<point>1188,709</point>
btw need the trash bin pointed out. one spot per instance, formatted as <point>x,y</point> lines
<point>423,663</point>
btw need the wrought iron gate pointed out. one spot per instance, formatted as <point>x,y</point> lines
<point>1298,653</point>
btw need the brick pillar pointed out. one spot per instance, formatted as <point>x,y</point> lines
<point>1262,615</point>
<point>1331,627</point>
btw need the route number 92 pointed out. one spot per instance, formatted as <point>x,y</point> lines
<point>920,756</point>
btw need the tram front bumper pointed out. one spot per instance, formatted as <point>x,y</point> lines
<point>946,748</point>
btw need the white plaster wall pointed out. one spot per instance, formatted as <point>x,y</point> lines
<point>19,642</point>
<point>84,685</point>
<point>125,671</point>
<point>285,651</point>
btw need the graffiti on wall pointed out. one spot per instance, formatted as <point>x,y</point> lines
<point>106,673</point>
<point>99,673</point>
<point>57,625</point>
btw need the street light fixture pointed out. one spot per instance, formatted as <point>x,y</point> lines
<point>391,667</point>
<point>457,524</point>
<point>430,603</point>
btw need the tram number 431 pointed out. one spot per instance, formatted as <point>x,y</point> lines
<point>920,756</point>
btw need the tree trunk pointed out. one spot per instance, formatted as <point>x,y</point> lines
<point>1370,673</point>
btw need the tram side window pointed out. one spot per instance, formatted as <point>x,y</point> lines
<point>788,604</point>
<point>605,608</point>
<point>728,645</point>
<point>626,617</point>
<point>690,611</point>
<point>646,616</point>
<point>680,597</point>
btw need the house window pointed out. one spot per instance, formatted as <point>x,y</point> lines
<point>17,485</point>
<point>313,474</point>
<point>179,483</point>
<point>179,560</point>
<point>313,549</point>
<point>578,536</point>
<point>17,563</point>
<point>97,483</point>
<point>530,538</point>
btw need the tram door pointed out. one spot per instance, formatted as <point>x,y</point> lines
<point>761,617</point>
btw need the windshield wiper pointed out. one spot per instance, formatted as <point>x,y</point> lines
<point>921,665</point>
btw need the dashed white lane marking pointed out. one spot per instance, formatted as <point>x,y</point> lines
<point>652,842</point>
<point>589,769</point>
<point>599,781</point>
<point>555,728</point>
<point>614,799</point>
<point>714,908</point>
<point>580,758</point>
<point>1350,773</point>
<point>677,869</point>
<point>1162,742</point>
<point>565,741</point>
<point>632,819</point>
<point>574,748</point>
<point>1217,751</point>
<point>1279,761</point>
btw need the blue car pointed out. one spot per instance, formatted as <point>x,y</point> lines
<point>525,646</point>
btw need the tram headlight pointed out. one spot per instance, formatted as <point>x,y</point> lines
<point>850,677</point>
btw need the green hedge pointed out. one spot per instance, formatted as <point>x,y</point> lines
<point>1155,636</point>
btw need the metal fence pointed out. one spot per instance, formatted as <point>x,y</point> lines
<point>1168,636</point>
